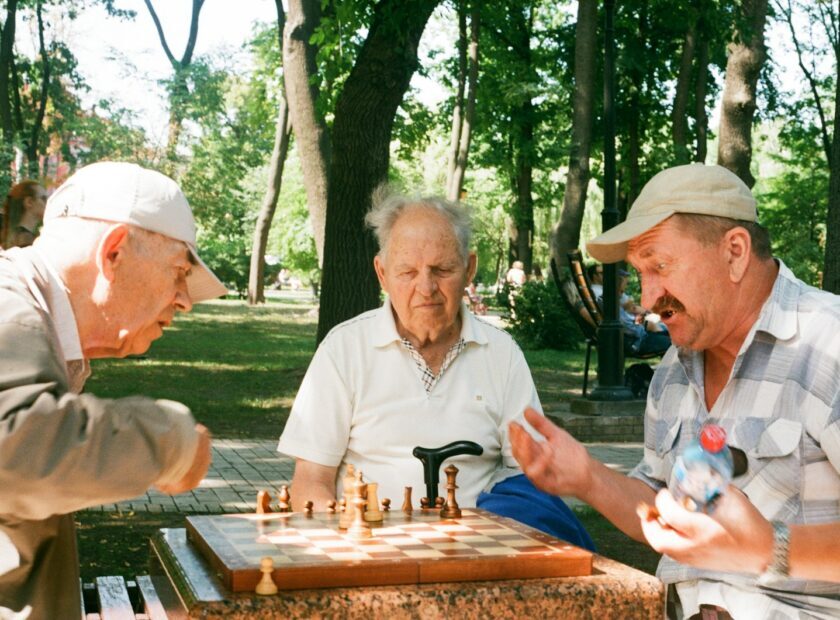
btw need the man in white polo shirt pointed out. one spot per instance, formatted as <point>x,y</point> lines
<point>419,371</point>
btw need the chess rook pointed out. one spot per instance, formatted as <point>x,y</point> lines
<point>406,507</point>
<point>373,514</point>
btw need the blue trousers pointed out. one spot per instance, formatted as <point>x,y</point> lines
<point>518,499</point>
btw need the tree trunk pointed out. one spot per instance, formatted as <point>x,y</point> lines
<point>311,135</point>
<point>746,57</point>
<point>282,132</point>
<point>34,136</point>
<point>7,42</point>
<point>457,182</point>
<point>566,235</point>
<point>179,91</point>
<point>458,108</point>
<point>361,142</point>
<point>701,119</point>
<point>679,116</point>
<point>831,272</point>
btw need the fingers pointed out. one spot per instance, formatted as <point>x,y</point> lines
<point>199,467</point>
<point>542,424</point>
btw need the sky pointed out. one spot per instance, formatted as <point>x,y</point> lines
<point>124,60</point>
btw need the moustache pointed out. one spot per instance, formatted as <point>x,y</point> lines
<point>667,303</point>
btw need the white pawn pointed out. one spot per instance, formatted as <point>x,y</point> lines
<point>266,586</point>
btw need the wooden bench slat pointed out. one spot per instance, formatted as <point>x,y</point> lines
<point>114,603</point>
<point>151,602</point>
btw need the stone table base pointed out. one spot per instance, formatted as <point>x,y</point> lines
<point>612,591</point>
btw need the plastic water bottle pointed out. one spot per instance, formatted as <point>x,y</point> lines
<point>703,470</point>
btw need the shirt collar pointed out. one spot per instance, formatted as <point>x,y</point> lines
<point>777,319</point>
<point>386,326</point>
<point>61,312</point>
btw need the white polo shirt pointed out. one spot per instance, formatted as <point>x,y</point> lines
<point>363,402</point>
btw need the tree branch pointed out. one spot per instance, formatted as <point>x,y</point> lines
<point>188,52</point>
<point>162,36</point>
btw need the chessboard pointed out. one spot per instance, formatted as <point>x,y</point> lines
<point>310,551</point>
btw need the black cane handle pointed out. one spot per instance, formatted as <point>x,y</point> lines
<point>433,457</point>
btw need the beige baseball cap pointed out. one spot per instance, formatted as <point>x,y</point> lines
<point>128,193</point>
<point>692,188</point>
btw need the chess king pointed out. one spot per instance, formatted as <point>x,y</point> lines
<point>115,261</point>
<point>421,370</point>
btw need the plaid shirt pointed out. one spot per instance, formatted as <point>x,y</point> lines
<point>781,406</point>
<point>429,378</point>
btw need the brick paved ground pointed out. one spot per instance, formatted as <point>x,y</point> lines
<point>240,468</point>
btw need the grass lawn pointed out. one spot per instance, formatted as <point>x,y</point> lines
<point>238,368</point>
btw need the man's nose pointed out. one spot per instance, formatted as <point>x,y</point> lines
<point>183,301</point>
<point>426,283</point>
<point>652,290</point>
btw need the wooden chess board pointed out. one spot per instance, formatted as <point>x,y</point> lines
<point>309,551</point>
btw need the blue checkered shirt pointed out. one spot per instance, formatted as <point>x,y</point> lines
<point>781,406</point>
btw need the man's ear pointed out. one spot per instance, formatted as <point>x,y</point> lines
<point>379,267</point>
<point>472,265</point>
<point>111,250</point>
<point>738,251</point>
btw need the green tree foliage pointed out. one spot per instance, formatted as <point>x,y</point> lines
<point>236,132</point>
<point>538,318</point>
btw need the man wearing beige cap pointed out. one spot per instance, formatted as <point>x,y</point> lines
<point>116,260</point>
<point>757,352</point>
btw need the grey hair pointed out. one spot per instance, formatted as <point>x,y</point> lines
<point>388,207</point>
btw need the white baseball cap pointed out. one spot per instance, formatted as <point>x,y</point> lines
<point>130,194</point>
<point>691,188</point>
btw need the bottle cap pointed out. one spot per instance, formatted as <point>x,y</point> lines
<point>713,438</point>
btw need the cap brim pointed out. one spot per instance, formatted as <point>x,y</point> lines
<point>611,246</point>
<point>202,284</point>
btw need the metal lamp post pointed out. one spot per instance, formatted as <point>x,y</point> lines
<point>610,332</point>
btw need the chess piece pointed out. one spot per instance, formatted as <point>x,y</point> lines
<point>373,514</point>
<point>386,505</point>
<point>358,530</point>
<point>451,510</point>
<point>284,499</point>
<point>331,506</point>
<point>424,503</point>
<point>406,507</point>
<point>309,505</point>
<point>263,502</point>
<point>266,585</point>
<point>439,502</point>
<point>345,516</point>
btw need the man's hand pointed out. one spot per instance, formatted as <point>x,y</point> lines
<point>560,465</point>
<point>735,537</point>
<point>200,465</point>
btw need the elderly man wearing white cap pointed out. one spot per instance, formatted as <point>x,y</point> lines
<point>115,262</point>
<point>757,352</point>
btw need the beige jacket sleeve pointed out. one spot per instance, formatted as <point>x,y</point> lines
<point>61,452</point>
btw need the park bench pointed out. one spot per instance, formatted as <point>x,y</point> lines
<point>115,598</point>
<point>580,301</point>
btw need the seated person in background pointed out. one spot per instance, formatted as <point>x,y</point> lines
<point>23,211</point>
<point>419,371</point>
<point>475,300</point>
<point>641,336</point>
